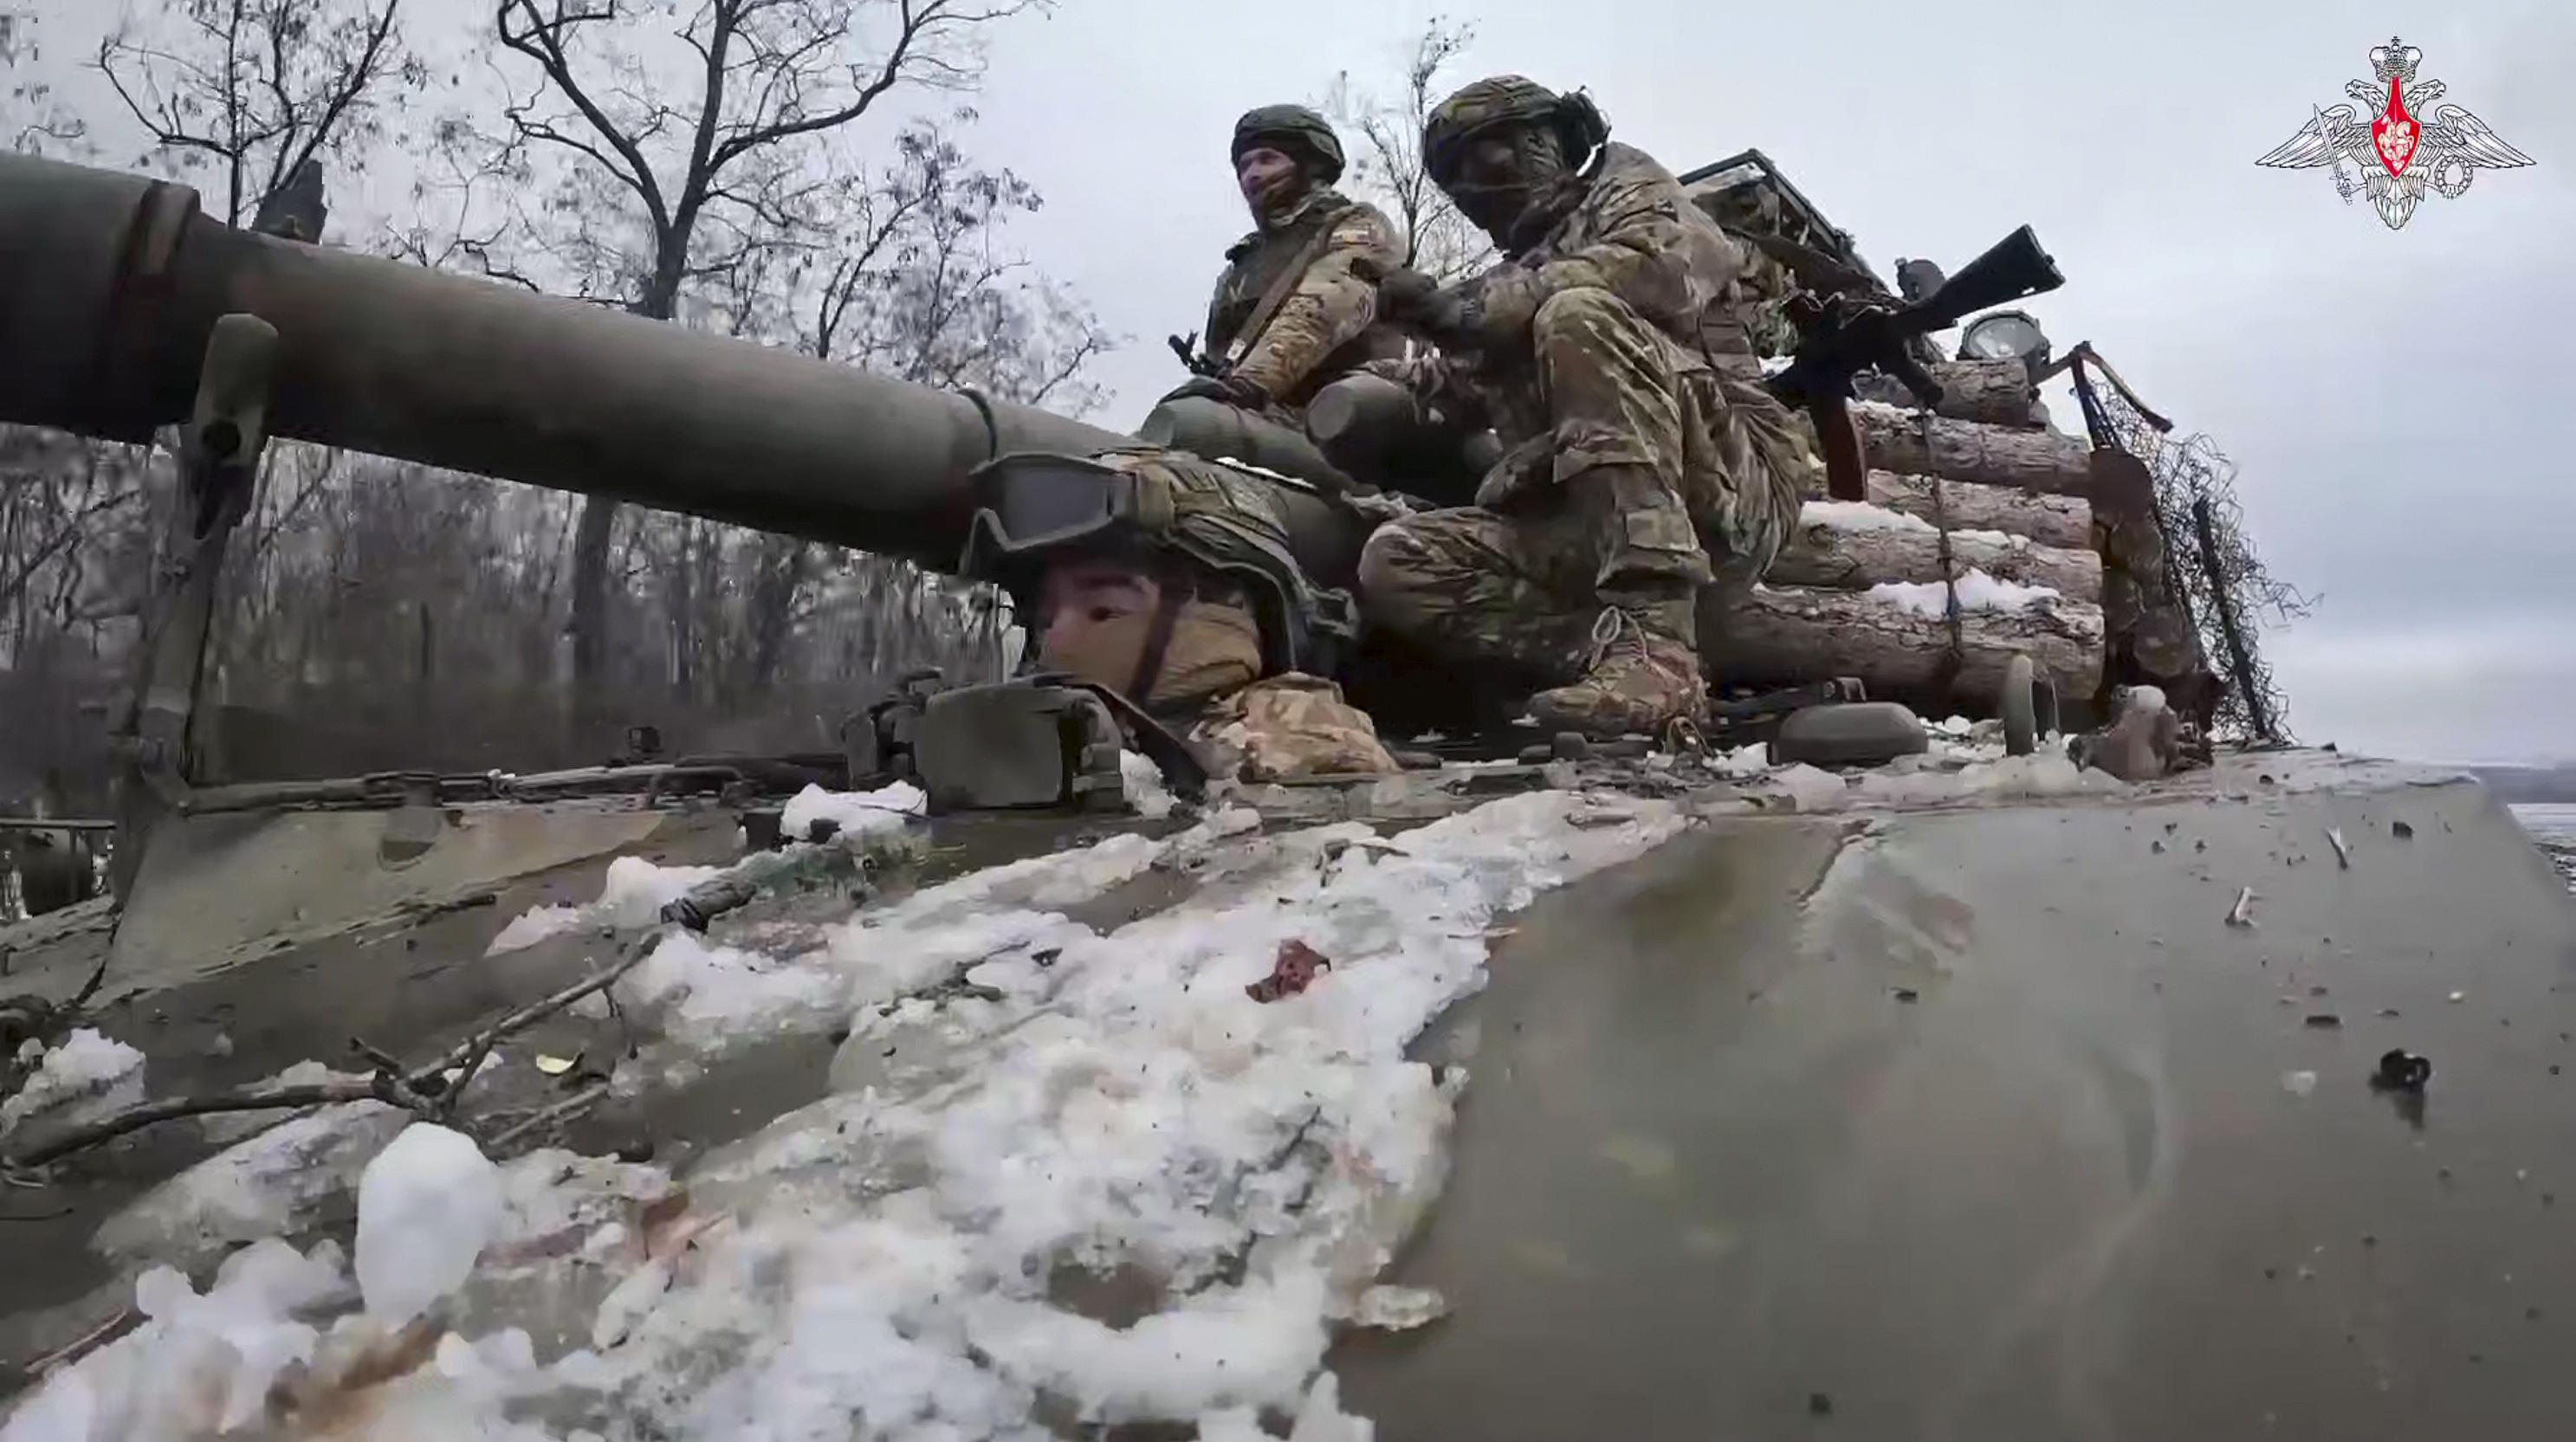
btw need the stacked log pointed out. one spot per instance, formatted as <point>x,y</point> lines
<point>2050,520</point>
<point>1907,443</point>
<point>1847,547</point>
<point>1995,393</point>
<point>1990,392</point>
<point>1976,543</point>
<point>1900,649</point>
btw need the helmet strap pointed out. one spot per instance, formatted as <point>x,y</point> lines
<point>1158,639</point>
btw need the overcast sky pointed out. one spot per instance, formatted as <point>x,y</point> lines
<point>2398,403</point>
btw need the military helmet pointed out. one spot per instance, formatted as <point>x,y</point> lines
<point>1293,128</point>
<point>1034,507</point>
<point>1503,100</point>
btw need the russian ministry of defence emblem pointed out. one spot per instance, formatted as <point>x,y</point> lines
<point>2398,152</point>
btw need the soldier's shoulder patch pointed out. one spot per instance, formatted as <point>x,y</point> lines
<point>1364,222</point>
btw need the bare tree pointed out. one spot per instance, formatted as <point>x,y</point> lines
<point>1388,167</point>
<point>33,122</point>
<point>255,91</point>
<point>901,271</point>
<point>245,97</point>
<point>686,143</point>
<point>376,613</point>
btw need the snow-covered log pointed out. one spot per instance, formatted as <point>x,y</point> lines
<point>1847,547</point>
<point>1895,640</point>
<point>2064,521</point>
<point>1958,450</point>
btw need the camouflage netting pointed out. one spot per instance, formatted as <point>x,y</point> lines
<point>2209,573</point>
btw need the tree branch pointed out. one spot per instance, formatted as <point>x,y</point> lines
<point>542,42</point>
<point>356,79</point>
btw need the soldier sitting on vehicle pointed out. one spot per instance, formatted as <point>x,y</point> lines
<point>1599,351</point>
<point>1183,597</point>
<point>1292,310</point>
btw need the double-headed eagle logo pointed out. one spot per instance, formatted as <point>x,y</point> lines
<point>2395,154</point>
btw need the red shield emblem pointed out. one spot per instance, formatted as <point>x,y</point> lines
<point>2395,134</point>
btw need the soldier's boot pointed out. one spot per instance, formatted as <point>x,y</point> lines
<point>1642,672</point>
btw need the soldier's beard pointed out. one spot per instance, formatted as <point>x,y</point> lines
<point>1274,202</point>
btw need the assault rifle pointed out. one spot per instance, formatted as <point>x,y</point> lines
<point>1849,333</point>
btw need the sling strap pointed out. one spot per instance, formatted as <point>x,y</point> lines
<point>1282,288</point>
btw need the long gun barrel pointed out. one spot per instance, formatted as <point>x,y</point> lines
<point>110,286</point>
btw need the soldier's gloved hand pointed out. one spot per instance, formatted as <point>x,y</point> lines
<point>1400,293</point>
<point>1507,301</point>
<point>1234,390</point>
<point>1423,371</point>
<point>1409,297</point>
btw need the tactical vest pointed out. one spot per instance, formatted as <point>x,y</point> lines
<point>1255,263</point>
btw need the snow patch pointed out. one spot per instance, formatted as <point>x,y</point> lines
<point>536,924</point>
<point>1104,1104</point>
<point>2047,773</point>
<point>1977,592</point>
<point>274,1183</point>
<point>710,994</point>
<point>199,1364</point>
<point>1741,763</point>
<point>427,1207</point>
<point>1811,789</point>
<point>1146,792</point>
<point>1320,1418</point>
<point>856,813</point>
<point>1399,1309</point>
<point>1125,1106</point>
<point>635,890</point>
<point>1859,516</point>
<point>710,998</point>
<point>1954,771</point>
<point>632,894</point>
<point>88,1075</point>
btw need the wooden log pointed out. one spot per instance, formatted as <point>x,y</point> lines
<point>1785,636</point>
<point>2063,521</point>
<point>1852,548</point>
<point>2043,461</point>
<point>1996,393</point>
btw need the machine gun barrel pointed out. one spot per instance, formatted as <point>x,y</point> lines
<point>111,284</point>
<point>2011,269</point>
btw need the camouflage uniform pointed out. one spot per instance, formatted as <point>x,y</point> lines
<point>1285,727</point>
<point>1632,456</point>
<point>1209,542</point>
<point>1323,329</point>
